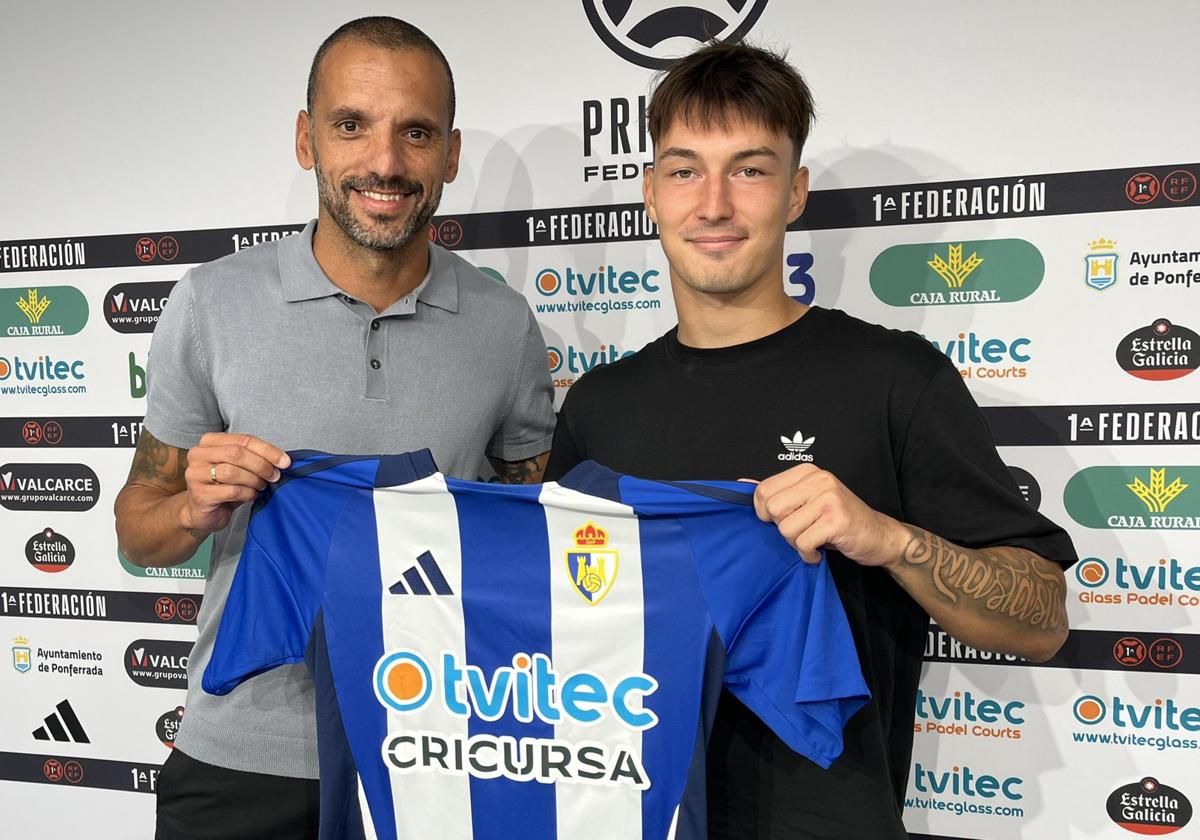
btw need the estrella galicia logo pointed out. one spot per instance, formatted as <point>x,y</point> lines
<point>136,307</point>
<point>48,487</point>
<point>158,663</point>
<point>47,551</point>
<point>948,273</point>
<point>1149,807</point>
<point>653,33</point>
<point>800,285</point>
<point>1160,351</point>
<point>41,312</point>
<point>167,727</point>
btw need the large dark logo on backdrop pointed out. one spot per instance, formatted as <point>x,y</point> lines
<point>48,487</point>
<point>1149,807</point>
<point>47,551</point>
<point>1160,351</point>
<point>158,663</point>
<point>135,307</point>
<point>653,33</point>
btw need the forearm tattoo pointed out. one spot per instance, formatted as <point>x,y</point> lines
<point>1002,581</point>
<point>528,471</point>
<point>158,463</point>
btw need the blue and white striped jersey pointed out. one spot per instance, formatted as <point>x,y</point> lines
<point>498,662</point>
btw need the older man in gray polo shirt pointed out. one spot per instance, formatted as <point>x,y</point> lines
<point>357,336</point>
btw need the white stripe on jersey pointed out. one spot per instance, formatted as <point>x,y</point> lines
<point>368,825</point>
<point>412,519</point>
<point>606,638</point>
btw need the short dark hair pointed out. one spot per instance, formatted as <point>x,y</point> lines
<point>722,81</point>
<point>387,32</point>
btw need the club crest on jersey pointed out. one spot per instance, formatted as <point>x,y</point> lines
<point>592,566</point>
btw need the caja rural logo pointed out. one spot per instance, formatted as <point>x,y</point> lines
<point>1149,807</point>
<point>1163,583</point>
<point>1135,498</point>
<point>947,273</point>
<point>653,33</point>
<point>530,689</point>
<point>38,313</point>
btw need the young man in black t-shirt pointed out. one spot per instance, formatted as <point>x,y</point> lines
<point>897,474</point>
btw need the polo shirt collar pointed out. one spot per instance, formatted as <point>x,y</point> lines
<point>303,279</point>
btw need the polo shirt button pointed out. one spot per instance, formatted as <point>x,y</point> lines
<point>375,364</point>
<point>375,325</point>
<point>347,298</point>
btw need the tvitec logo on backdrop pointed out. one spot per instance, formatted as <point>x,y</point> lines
<point>603,290</point>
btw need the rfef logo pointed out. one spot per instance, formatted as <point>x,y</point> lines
<point>47,551</point>
<point>1142,188</point>
<point>1160,351</point>
<point>1149,807</point>
<point>1100,265</point>
<point>42,312</point>
<point>136,307</point>
<point>167,727</point>
<point>1138,498</point>
<point>158,663</point>
<point>947,273</point>
<point>654,33</point>
<point>48,487</point>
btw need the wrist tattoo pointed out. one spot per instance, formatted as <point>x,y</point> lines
<point>528,471</point>
<point>1003,581</point>
<point>158,463</point>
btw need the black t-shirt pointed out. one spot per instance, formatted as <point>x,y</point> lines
<point>887,414</point>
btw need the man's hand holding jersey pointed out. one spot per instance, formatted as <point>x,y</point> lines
<point>999,598</point>
<point>223,471</point>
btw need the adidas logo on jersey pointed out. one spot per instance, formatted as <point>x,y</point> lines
<point>797,447</point>
<point>62,726</point>
<point>413,582</point>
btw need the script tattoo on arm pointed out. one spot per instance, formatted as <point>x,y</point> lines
<point>529,471</point>
<point>1000,582</point>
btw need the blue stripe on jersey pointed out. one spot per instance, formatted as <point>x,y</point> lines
<point>340,813</point>
<point>354,631</point>
<point>676,645</point>
<point>506,573</point>
<point>593,479</point>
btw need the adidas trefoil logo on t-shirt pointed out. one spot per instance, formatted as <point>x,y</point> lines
<point>797,447</point>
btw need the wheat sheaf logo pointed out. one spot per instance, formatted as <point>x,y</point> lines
<point>33,305</point>
<point>954,269</point>
<point>1158,495</point>
<point>653,33</point>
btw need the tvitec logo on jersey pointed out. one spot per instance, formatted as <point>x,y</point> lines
<point>946,273</point>
<point>1165,583</point>
<point>1135,498</point>
<point>653,34</point>
<point>38,313</point>
<point>406,682</point>
<point>603,291</point>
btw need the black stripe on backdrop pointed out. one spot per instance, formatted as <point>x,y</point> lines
<point>1053,194</point>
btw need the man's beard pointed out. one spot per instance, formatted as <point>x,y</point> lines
<point>336,202</point>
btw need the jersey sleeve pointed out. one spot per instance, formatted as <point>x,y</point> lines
<point>790,657</point>
<point>277,589</point>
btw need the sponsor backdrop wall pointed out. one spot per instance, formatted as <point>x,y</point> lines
<point>1016,182</point>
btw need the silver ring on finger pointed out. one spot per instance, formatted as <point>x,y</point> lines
<point>212,474</point>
